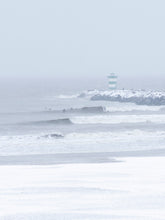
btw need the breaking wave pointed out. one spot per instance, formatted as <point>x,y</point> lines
<point>67,96</point>
<point>82,142</point>
<point>128,108</point>
<point>63,121</point>
<point>93,109</point>
<point>118,119</point>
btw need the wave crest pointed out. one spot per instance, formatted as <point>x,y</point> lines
<point>63,121</point>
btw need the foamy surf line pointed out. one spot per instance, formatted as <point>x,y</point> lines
<point>82,142</point>
<point>77,158</point>
<point>115,119</point>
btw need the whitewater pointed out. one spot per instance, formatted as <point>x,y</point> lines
<point>83,155</point>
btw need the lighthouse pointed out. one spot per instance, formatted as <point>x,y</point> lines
<point>112,81</point>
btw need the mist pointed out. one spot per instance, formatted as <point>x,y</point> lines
<point>73,145</point>
<point>80,42</point>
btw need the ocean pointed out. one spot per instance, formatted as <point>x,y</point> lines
<point>43,120</point>
<point>81,152</point>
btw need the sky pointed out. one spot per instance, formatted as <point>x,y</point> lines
<point>84,39</point>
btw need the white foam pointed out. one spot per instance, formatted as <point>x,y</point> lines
<point>116,119</point>
<point>67,96</point>
<point>83,142</point>
<point>130,107</point>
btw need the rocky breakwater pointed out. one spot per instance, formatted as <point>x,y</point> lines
<point>139,97</point>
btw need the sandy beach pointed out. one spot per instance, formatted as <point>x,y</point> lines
<point>131,189</point>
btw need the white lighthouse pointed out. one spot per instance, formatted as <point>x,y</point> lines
<point>112,81</point>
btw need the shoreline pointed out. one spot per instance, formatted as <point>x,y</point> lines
<point>76,158</point>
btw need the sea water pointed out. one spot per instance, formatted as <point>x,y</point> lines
<point>44,117</point>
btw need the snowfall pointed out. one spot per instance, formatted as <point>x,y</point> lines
<point>84,157</point>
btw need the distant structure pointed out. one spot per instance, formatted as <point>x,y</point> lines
<point>112,80</point>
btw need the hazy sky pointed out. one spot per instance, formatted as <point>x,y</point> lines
<point>80,38</point>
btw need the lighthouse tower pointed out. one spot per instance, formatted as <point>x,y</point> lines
<point>112,80</point>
